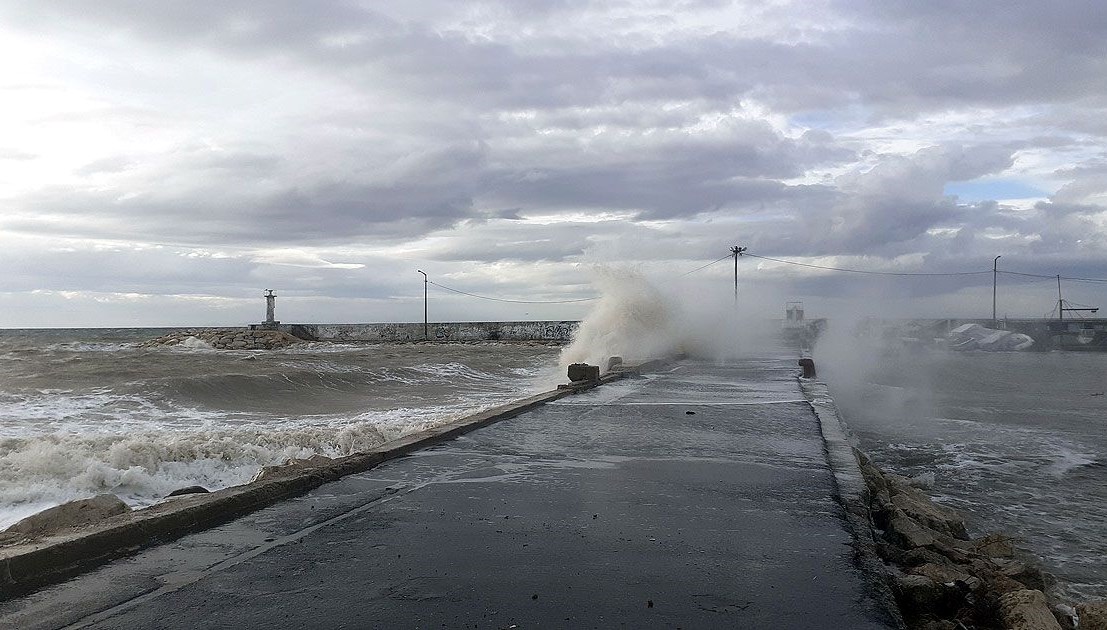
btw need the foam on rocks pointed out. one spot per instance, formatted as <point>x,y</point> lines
<point>224,339</point>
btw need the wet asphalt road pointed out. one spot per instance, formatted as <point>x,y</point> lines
<point>698,497</point>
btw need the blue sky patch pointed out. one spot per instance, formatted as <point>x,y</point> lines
<point>983,190</point>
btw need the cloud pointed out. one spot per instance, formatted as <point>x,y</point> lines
<point>321,143</point>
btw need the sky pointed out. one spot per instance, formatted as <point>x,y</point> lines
<point>164,163</point>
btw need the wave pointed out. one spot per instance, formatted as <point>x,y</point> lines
<point>141,467</point>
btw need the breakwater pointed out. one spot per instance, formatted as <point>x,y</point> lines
<point>1085,334</point>
<point>225,339</point>
<point>560,331</point>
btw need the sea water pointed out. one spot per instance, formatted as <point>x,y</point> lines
<point>1016,441</point>
<point>88,411</point>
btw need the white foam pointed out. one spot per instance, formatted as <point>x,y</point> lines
<point>1067,460</point>
<point>195,343</point>
<point>141,467</point>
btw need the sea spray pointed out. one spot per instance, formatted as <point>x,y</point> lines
<point>641,318</point>
<point>632,320</point>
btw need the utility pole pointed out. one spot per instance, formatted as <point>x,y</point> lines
<point>737,251</point>
<point>1060,302</point>
<point>426,327</point>
<point>995,273</point>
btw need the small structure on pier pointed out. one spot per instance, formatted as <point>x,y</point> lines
<point>270,322</point>
<point>793,316</point>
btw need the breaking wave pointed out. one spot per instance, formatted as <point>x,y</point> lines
<point>84,416</point>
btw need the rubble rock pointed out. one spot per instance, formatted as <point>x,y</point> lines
<point>995,545</point>
<point>918,593</point>
<point>188,490</point>
<point>1066,617</point>
<point>289,467</point>
<point>902,530</point>
<point>920,556</point>
<point>1093,615</point>
<point>916,504</point>
<point>224,339</point>
<point>72,514</point>
<point>1026,610</point>
<point>943,574</point>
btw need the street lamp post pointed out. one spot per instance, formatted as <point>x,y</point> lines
<point>995,273</point>
<point>426,328</point>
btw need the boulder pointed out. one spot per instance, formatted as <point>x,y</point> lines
<point>1093,615</point>
<point>920,556</point>
<point>290,467</point>
<point>72,514</point>
<point>902,530</point>
<point>918,593</point>
<point>953,549</point>
<point>1066,616</point>
<point>881,508</point>
<point>1028,574</point>
<point>582,372</point>
<point>916,504</point>
<point>188,490</point>
<point>943,574</point>
<point>874,478</point>
<point>1026,610</point>
<point>1001,585</point>
<point>889,552</point>
<point>995,545</point>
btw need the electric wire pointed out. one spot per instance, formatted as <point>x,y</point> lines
<point>496,299</point>
<point>589,299</point>
<point>1035,276</point>
<point>1053,277</point>
<point>701,268</point>
<point>867,272</point>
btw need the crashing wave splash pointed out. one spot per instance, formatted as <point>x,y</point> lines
<point>142,467</point>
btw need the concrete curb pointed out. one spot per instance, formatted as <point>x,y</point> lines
<point>853,494</point>
<point>29,566</point>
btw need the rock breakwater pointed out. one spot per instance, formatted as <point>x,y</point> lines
<point>945,580</point>
<point>224,339</point>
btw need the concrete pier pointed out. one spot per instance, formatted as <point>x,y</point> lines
<point>698,497</point>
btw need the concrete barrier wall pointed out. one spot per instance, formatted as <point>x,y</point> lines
<point>451,331</point>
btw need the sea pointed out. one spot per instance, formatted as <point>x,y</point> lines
<point>87,411</point>
<point>1016,441</point>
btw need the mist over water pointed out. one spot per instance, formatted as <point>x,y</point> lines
<point>1017,441</point>
<point>84,412</point>
<point>640,317</point>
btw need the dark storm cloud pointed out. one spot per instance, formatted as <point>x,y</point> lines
<point>381,124</point>
<point>432,191</point>
<point>906,55</point>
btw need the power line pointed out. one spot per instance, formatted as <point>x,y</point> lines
<point>590,299</point>
<point>496,299</point>
<point>867,272</point>
<point>688,273</point>
<point>1053,277</point>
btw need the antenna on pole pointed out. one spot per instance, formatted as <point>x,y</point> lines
<point>737,251</point>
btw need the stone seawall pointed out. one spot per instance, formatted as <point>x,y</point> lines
<point>449,331</point>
